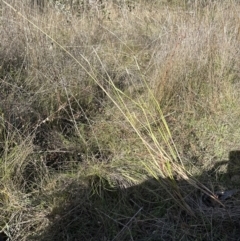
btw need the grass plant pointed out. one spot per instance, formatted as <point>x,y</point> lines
<point>117,118</point>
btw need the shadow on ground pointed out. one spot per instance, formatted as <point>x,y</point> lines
<point>145,212</point>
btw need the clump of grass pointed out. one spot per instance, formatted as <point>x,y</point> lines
<point>110,122</point>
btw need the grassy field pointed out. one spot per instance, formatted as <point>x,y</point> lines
<point>120,120</point>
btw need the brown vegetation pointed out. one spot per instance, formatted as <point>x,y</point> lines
<point>119,119</point>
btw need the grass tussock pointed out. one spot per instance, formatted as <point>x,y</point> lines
<point>119,120</point>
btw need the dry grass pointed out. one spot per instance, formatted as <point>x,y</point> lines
<point>115,119</point>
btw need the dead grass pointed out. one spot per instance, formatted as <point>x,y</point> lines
<point>115,119</point>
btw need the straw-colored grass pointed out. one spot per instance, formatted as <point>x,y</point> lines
<point>117,119</point>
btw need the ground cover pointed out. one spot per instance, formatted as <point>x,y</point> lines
<point>119,120</point>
